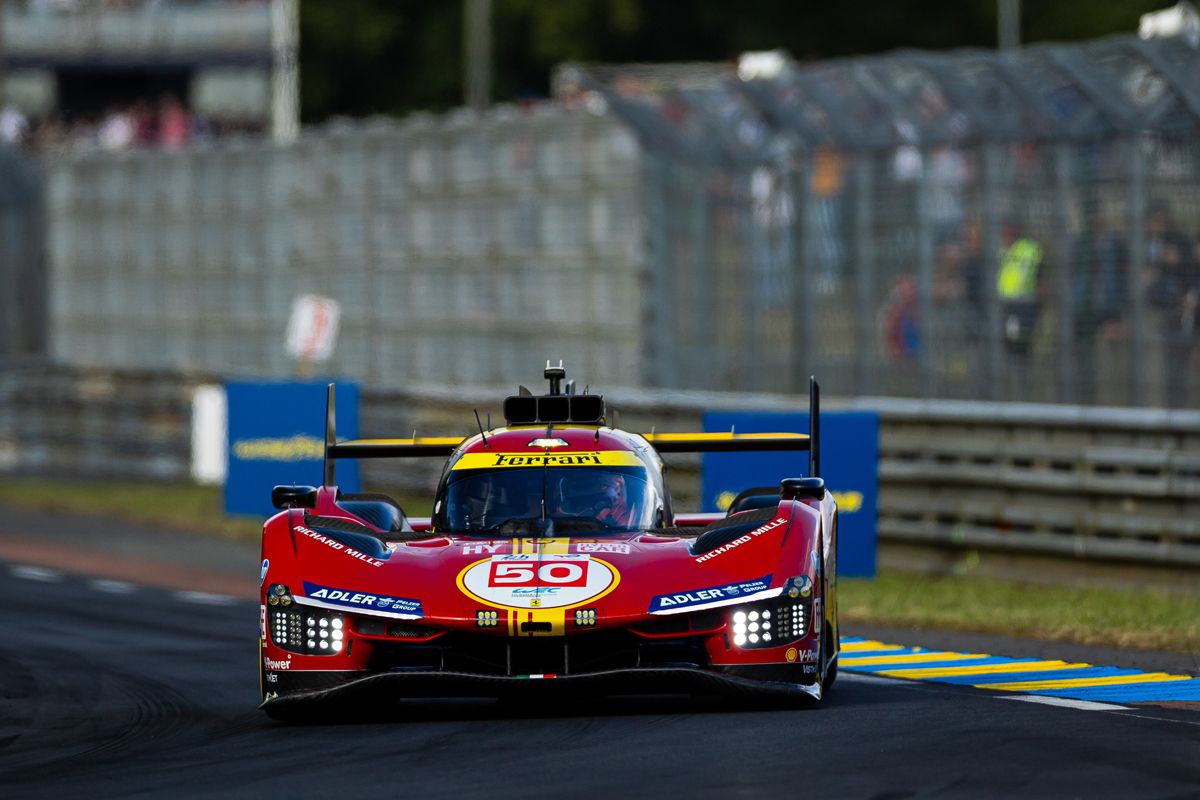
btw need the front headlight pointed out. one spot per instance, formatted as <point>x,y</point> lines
<point>770,624</point>
<point>308,631</point>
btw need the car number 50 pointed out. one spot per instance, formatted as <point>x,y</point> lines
<point>523,573</point>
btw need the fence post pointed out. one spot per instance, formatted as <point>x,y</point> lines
<point>991,264</point>
<point>1065,369</point>
<point>925,248</point>
<point>864,283</point>
<point>660,369</point>
<point>802,318</point>
<point>1137,257</point>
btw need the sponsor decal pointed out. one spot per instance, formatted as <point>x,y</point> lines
<point>792,654</point>
<point>262,572</point>
<point>262,622</point>
<point>353,599</point>
<point>480,549</point>
<point>809,669</point>
<point>603,547</point>
<point>741,540</point>
<point>528,581</point>
<point>292,448</point>
<point>808,655</point>
<point>715,594</point>
<point>272,664</point>
<point>272,677</point>
<point>596,458</point>
<point>336,545</point>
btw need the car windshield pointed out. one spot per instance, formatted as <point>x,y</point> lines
<point>576,499</point>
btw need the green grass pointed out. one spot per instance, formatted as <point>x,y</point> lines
<point>1123,617</point>
<point>1127,618</point>
<point>178,507</point>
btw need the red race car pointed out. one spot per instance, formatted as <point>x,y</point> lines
<point>553,562</point>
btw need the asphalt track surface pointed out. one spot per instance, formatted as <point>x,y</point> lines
<point>110,688</point>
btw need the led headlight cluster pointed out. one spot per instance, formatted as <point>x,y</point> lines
<point>752,627</point>
<point>324,632</point>
<point>307,630</point>
<point>585,617</point>
<point>769,624</point>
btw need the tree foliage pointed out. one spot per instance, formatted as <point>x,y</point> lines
<point>362,57</point>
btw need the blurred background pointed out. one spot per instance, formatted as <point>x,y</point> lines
<point>980,219</point>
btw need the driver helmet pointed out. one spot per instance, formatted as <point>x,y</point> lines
<point>601,495</point>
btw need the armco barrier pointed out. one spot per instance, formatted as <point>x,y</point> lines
<point>1094,483</point>
<point>1119,486</point>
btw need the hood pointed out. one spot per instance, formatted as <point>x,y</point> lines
<point>458,581</point>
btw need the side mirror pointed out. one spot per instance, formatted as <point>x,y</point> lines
<point>802,488</point>
<point>294,497</point>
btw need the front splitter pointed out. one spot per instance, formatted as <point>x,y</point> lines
<point>666,680</point>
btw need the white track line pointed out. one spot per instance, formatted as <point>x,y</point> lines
<point>858,677</point>
<point>1065,702</point>
<point>112,587</point>
<point>36,574</point>
<point>204,598</point>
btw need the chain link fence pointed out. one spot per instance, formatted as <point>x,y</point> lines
<point>22,269</point>
<point>856,219</point>
<point>464,248</point>
<point>965,225</point>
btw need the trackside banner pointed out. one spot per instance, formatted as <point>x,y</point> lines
<point>277,435</point>
<point>849,464</point>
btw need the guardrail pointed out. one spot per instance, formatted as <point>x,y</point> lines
<point>1090,484</point>
<point>1093,483</point>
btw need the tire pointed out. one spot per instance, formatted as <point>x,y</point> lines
<point>831,673</point>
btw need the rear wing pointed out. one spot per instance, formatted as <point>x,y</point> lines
<point>752,442</point>
<point>430,446</point>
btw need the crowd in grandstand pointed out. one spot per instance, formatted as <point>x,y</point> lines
<point>163,123</point>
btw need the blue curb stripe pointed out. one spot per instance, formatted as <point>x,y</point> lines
<point>961,662</point>
<point>1149,692</point>
<point>1045,675</point>
<point>907,651</point>
<point>1132,692</point>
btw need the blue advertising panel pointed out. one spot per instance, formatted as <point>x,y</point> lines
<point>849,465</point>
<point>277,435</point>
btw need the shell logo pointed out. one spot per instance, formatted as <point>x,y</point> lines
<point>526,581</point>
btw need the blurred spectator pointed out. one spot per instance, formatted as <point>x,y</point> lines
<point>118,130</point>
<point>1018,285</point>
<point>173,123</point>
<point>13,126</point>
<point>901,326</point>
<point>1172,286</point>
<point>1099,261</point>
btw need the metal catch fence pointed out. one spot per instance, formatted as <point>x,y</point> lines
<point>463,247</point>
<point>968,224</point>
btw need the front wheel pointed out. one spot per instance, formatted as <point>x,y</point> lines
<point>832,671</point>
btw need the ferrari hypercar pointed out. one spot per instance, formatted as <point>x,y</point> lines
<point>553,562</point>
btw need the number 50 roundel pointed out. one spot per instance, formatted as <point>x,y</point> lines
<point>558,581</point>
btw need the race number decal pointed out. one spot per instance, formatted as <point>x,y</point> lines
<point>526,581</point>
